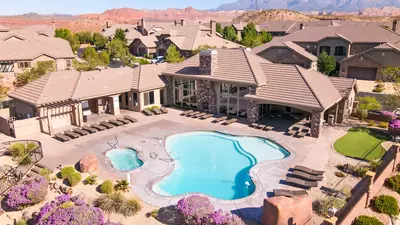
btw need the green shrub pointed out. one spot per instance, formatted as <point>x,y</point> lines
<point>44,172</point>
<point>25,160</point>
<point>154,213</point>
<point>67,205</point>
<point>321,206</point>
<point>346,191</point>
<point>91,180</point>
<point>107,187</point>
<point>386,204</point>
<point>383,125</point>
<point>66,171</point>
<point>371,123</point>
<point>17,150</point>
<point>74,178</point>
<point>360,171</point>
<point>374,164</point>
<point>21,222</point>
<point>129,207</point>
<point>339,174</point>
<point>31,146</point>
<point>394,183</point>
<point>367,220</point>
<point>378,89</point>
<point>122,185</point>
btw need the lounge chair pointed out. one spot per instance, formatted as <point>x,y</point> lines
<point>89,129</point>
<point>71,134</point>
<point>193,113</point>
<point>157,111</point>
<point>199,115</point>
<point>116,123</point>
<point>98,127</point>
<point>292,132</point>
<point>147,112</point>
<point>300,182</point>
<point>122,120</point>
<point>268,128</point>
<point>306,176</point>
<point>308,170</point>
<point>80,131</point>
<point>207,116</point>
<point>261,126</point>
<point>289,193</point>
<point>301,134</point>
<point>254,125</point>
<point>186,112</point>
<point>133,120</point>
<point>230,121</point>
<point>106,124</point>
<point>62,137</point>
<point>164,110</point>
<point>220,119</point>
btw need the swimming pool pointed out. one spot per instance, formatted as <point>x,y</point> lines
<point>215,164</point>
<point>124,159</point>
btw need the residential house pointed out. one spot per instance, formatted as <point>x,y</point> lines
<point>132,31</point>
<point>145,45</point>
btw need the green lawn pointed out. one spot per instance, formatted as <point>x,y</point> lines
<point>362,143</point>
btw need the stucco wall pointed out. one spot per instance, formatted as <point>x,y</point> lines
<point>295,58</point>
<point>311,47</point>
<point>360,47</point>
<point>156,99</point>
<point>388,56</point>
<point>333,43</point>
<point>273,54</point>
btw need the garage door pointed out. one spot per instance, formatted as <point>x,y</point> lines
<point>362,73</point>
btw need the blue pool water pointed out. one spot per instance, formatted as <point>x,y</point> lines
<point>215,164</point>
<point>124,159</point>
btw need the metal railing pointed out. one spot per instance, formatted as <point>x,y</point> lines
<point>13,175</point>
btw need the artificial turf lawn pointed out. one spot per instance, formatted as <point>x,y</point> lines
<point>362,143</point>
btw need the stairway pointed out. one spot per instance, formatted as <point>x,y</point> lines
<point>35,171</point>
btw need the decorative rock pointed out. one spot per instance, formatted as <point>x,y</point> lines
<point>88,163</point>
<point>26,216</point>
<point>63,188</point>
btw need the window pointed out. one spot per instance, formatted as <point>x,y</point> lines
<point>340,51</point>
<point>69,63</point>
<point>326,49</point>
<point>149,98</point>
<point>185,93</point>
<point>135,99</point>
<point>232,101</point>
<point>24,65</point>
<point>151,94</point>
<point>6,67</point>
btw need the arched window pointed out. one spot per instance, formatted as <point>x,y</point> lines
<point>340,51</point>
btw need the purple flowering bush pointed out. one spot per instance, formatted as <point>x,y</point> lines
<point>28,193</point>
<point>198,210</point>
<point>394,127</point>
<point>70,210</point>
<point>388,115</point>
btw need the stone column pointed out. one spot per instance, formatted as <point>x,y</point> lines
<point>114,102</point>
<point>208,62</point>
<point>206,96</point>
<point>169,87</point>
<point>79,115</point>
<point>252,111</point>
<point>317,118</point>
<point>49,122</point>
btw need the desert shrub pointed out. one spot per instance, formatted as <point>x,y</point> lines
<point>371,123</point>
<point>321,207</point>
<point>17,150</point>
<point>21,222</point>
<point>367,220</point>
<point>74,178</point>
<point>360,171</point>
<point>66,171</point>
<point>154,213</point>
<point>116,202</point>
<point>339,174</point>
<point>31,146</point>
<point>28,193</point>
<point>346,191</point>
<point>347,168</point>
<point>383,125</point>
<point>91,180</point>
<point>394,183</point>
<point>378,89</point>
<point>56,212</point>
<point>122,185</point>
<point>25,160</point>
<point>107,187</point>
<point>374,164</point>
<point>386,204</point>
<point>44,172</point>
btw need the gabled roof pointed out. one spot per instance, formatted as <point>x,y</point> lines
<point>286,44</point>
<point>344,85</point>
<point>386,46</point>
<point>73,85</point>
<point>149,41</point>
<point>234,65</point>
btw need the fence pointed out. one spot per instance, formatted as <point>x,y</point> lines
<point>13,175</point>
<point>368,187</point>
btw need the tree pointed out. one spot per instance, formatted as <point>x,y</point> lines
<point>91,57</point>
<point>104,58</point>
<point>366,104</point>
<point>85,37</point>
<point>219,28</point>
<point>3,91</point>
<point>326,63</point>
<point>99,40</point>
<point>203,47</point>
<point>74,43</point>
<point>250,37</point>
<point>392,74</point>
<point>173,55</point>
<point>265,37</point>
<point>229,33</point>
<point>35,72</point>
<point>63,33</point>
<point>120,35</point>
<point>117,49</point>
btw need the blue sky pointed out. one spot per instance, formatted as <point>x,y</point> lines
<point>13,7</point>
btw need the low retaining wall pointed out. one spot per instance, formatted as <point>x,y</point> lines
<point>368,187</point>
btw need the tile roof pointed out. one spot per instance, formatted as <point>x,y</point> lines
<point>28,45</point>
<point>74,85</point>
<point>383,60</point>
<point>149,41</point>
<point>289,44</point>
<point>343,85</point>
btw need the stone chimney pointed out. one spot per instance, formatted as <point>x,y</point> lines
<point>175,22</point>
<point>394,26</point>
<point>107,24</point>
<point>208,62</point>
<point>302,26</point>
<point>54,25</point>
<point>142,26</point>
<point>213,26</point>
<point>183,22</point>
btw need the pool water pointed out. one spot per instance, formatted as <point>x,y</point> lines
<point>215,164</point>
<point>125,159</point>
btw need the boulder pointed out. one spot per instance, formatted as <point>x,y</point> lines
<point>88,163</point>
<point>287,210</point>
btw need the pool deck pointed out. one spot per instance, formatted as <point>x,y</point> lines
<point>148,136</point>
